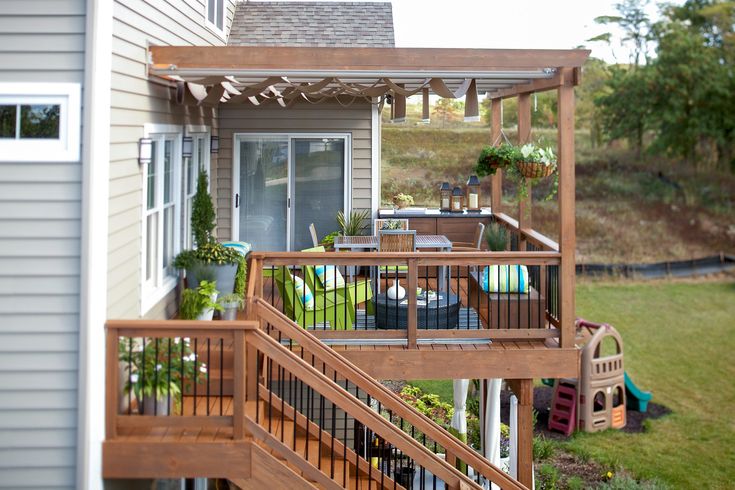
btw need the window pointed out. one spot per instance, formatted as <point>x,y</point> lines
<point>161,215</point>
<point>39,121</point>
<point>199,160</point>
<point>216,14</point>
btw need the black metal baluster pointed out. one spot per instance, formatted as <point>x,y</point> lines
<point>155,377</point>
<point>130,375</point>
<point>168,380</point>
<point>195,379</point>
<point>209,366</point>
<point>221,375</point>
<point>182,375</point>
<point>258,365</point>
<point>141,402</point>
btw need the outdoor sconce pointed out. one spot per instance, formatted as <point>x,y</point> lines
<point>473,193</point>
<point>214,144</point>
<point>446,196</point>
<point>145,151</point>
<point>457,198</point>
<point>187,148</point>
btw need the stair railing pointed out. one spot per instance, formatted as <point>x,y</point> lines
<point>393,410</point>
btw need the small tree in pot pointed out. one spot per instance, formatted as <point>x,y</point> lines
<point>209,253</point>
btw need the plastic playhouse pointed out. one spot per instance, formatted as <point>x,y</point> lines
<point>597,400</point>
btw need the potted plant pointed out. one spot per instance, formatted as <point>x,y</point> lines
<point>402,200</point>
<point>328,241</point>
<point>209,254</point>
<point>533,164</point>
<point>496,237</point>
<point>392,224</point>
<point>158,370</point>
<point>231,303</point>
<point>494,157</point>
<point>200,303</point>
<point>354,226</point>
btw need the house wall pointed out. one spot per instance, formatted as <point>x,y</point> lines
<point>40,233</point>
<point>137,100</point>
<point>329,117</point>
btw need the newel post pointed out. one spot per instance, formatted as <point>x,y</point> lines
<point>496,181</point>
<point>525,206</point>
<point>567,232</point>
<point>111,382</point>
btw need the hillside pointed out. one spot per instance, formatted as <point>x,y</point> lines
<point>628,209</point>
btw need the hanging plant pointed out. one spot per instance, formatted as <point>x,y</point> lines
<point>534,164</point>
<point>494,157</point>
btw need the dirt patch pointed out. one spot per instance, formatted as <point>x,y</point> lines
<point>635,421</point>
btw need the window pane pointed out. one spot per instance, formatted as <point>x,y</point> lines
<point>319,174</point>
<point>190,176</point>
<point>151,246</point>
<point>39,121</point>
<point>151,200</point>
<point>168,239</point>
<point>7,121</point>
<point>168,172</point>
<point>211,10</point>
<point>220,7</point>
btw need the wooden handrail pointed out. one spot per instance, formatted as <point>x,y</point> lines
<point>226,330</point>
<point>359,410</point>
<point>380,393</point>
<point>402,258</point>
<point>531,235</point>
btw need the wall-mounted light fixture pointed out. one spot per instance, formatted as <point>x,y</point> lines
<point>187,148</point>
<point>214,144</point>
<point>145,151</point>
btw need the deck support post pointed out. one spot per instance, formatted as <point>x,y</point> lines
<point>411,328</point>
<point>496,182</point>
<point>525,206</point>
<point>523,389</point>
<point>567,238</point>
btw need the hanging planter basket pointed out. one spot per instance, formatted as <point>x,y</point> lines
<point>535,170</point>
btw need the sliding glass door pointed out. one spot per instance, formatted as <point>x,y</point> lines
<point>285,182</point>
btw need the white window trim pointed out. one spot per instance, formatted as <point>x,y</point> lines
<point>151,297</point>
<point>212,26</point>
<point>64,149</point>
<point>194,131</point>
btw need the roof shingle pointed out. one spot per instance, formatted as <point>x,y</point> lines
<point>313,24</point>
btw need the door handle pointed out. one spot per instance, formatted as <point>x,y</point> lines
<point>237,200</point>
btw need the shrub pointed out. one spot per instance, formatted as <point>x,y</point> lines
<point>542,448</point>
<point>547,477</point>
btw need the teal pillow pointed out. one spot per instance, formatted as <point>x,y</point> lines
<point>303,292</point>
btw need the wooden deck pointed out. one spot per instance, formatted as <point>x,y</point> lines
<point>438,358</point>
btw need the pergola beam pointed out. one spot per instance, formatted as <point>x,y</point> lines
<point>560,78</point>
<point>424,60</point>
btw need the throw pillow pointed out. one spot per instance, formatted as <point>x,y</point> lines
<point>504,279</point>
<point>303,292</point>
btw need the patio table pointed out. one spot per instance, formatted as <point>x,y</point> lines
<point>357,243</point>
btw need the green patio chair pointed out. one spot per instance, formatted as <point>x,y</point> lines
<point>357,292</point>
<point>327,309</point>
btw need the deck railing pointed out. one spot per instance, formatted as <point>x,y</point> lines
<point>464,307</point>
<point>289,393</point>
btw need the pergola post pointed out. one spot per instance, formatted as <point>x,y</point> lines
<point>567,237</point>
<point>524,136</point>
<point>496,181</point>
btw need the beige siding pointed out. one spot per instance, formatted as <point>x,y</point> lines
<point>329,117</point>
<point>40,231</point>
<point>137,100</point>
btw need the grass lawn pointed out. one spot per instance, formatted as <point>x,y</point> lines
<point>679,341</point>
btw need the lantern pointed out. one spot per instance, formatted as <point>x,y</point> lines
<point>446,196</point>
<point>457,198</point>
<point>473,193</point>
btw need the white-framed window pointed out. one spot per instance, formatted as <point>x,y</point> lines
<point>161,214</point>
<point>215,15</point>
<point>40,122</point>
<point>199,160</point>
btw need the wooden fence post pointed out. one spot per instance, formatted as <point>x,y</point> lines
<point>111,383</point>
<point>412,305</point>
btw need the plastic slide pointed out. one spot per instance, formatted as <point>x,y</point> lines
<point>637,399</point>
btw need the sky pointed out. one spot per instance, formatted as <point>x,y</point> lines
<point>540,24</point>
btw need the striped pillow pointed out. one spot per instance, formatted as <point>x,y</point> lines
<point>329,276</point>
<point>303,293</point>
<point>505,279</point>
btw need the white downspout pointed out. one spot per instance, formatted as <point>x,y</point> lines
<point>93,286</point>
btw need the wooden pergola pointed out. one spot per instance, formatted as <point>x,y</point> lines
<point>258,75</point>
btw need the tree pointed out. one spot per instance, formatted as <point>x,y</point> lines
<point>635,24</point>
<point>447,111</point>
<point>202,212</point>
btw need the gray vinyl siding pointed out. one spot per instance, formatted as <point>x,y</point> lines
<point>137,100</point>
<point>329,117</point>
<point>40,233</point>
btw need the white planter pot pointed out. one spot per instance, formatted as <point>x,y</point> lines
<point>396,291</point>
<point>208,314</point>
<point>230,312</point>
<point>153,406</point>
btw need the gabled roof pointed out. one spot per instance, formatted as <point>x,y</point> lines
<point>313,24</point>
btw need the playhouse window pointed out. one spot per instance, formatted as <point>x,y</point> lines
<point>598,403</point>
